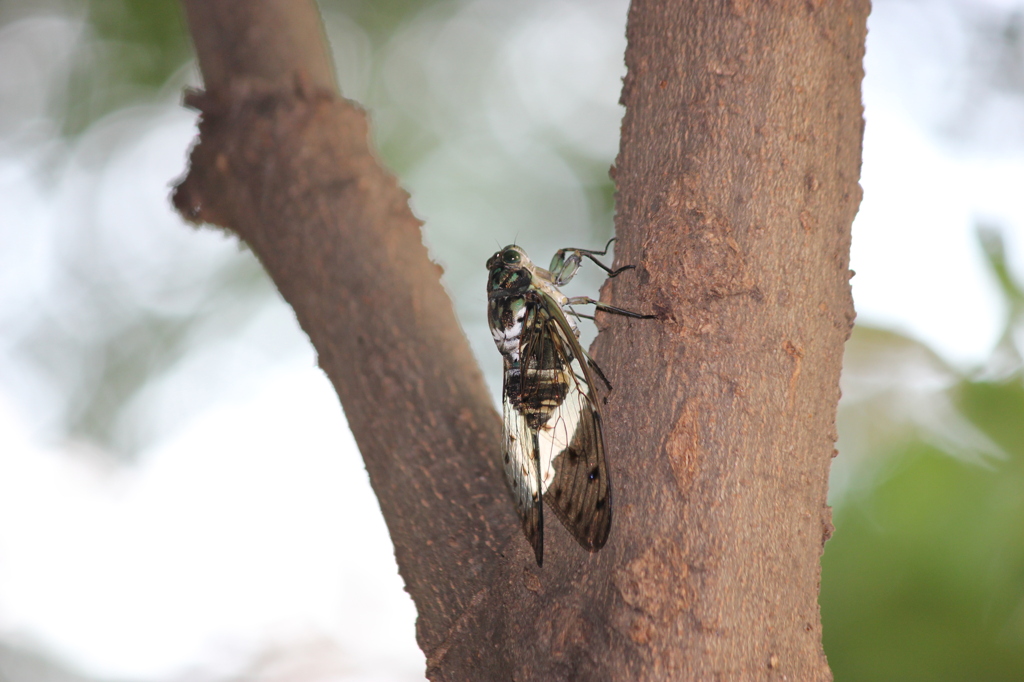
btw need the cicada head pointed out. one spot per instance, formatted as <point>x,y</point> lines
<point>510,271</point>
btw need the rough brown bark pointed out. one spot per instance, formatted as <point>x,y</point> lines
<point>737,186</point>
<point>737,183</point>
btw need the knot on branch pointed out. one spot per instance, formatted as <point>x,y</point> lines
<point>257,92</point>
<point>252,130</point>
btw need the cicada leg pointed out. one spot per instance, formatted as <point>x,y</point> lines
<point>586,300</point>
<point>566,262</point>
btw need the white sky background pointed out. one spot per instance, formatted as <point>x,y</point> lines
<point>247,528</point>
<point>943,151</point>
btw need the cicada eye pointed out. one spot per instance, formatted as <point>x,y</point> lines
<point>510,257</point>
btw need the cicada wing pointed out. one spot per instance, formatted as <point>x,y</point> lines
<point>520,454</point>
<point>574,476</point>
<point>580,493</point>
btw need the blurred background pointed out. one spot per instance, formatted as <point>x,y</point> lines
<point>180,498</point>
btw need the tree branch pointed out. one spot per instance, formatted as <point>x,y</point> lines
<point>284,162</point>
<point>737,186</point>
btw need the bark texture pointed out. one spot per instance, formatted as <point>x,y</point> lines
<point>737,185</point>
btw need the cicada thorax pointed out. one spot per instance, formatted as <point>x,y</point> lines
<point>508,281</point>
<point>507,293</point>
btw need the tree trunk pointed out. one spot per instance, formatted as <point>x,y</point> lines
<point>737,185</point>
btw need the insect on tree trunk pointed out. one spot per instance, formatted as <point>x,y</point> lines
<point>737,185</point>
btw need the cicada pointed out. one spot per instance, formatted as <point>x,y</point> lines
<point>552,445</point>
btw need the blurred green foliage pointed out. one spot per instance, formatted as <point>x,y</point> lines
<point>135,47</point>
<point>152,27</point>
<point>380,18</point>
<point>924,577</point>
